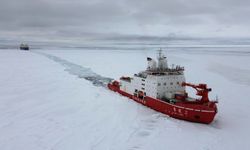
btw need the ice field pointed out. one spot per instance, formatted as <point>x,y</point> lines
<point>49,102</point>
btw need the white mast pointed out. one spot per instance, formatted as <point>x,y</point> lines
<point>162,61</point>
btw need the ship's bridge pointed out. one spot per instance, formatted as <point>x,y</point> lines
<point>157,72</point>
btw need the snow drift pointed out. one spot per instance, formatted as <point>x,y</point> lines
<point>42,106</point>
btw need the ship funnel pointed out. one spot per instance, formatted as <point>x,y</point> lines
<point>151,64</point>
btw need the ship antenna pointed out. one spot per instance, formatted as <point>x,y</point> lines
<point>160,53</point>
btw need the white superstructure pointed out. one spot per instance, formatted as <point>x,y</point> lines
<point>157,81</point>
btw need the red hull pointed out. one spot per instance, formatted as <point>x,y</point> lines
<point>195,112</point>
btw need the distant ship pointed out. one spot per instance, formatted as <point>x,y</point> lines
<point>163,89</point>
<point>24,47</point>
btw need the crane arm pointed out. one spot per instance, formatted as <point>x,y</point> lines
<point>201,89</point>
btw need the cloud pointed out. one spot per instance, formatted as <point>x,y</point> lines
<point>82,18</point>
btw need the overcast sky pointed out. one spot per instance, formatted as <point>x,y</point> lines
<point>105,18</point>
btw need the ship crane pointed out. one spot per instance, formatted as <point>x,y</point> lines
<point>201,89</point>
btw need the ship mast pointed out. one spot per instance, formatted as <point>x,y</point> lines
<point>162,61</point>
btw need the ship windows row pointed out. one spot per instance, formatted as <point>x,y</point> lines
<point>171,83</point>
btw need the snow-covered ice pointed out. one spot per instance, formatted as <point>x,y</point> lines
<point>44,105</point>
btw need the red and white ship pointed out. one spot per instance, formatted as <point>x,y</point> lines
<point>163,89</point>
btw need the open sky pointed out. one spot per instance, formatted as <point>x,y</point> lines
<point>124,18</point>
